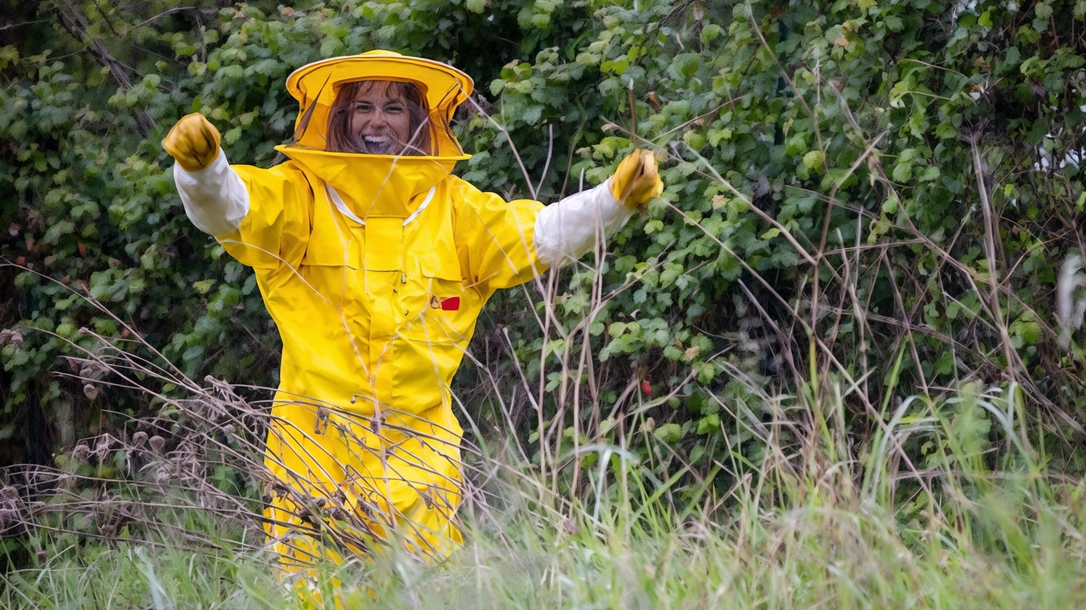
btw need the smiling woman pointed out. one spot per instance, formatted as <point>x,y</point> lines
<point>379,118</point>
<point>375,261</point>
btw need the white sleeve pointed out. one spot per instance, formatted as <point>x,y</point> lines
<point>566,230</point>
<point>215,198</point>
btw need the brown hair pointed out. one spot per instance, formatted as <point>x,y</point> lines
<point>342,139</point>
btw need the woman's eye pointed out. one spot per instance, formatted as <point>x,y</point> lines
<point>394,108</point>
<point>363,107</point>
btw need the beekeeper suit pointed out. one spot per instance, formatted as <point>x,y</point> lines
<point>374,264</point>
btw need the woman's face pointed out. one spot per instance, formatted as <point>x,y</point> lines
<point>379,116</point>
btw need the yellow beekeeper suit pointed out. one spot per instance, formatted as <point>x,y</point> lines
<point>374,269</point>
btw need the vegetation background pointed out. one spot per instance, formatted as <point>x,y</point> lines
<point>824,365</point>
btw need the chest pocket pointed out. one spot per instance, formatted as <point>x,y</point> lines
<point>450,308</point>
<point>431,343</point>
<point>336,240</point>
<point>332,268</point>
<point>333,251</point>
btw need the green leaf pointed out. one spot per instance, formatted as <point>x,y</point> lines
<point>929,174</point>
<point>813,160</point>
<point>532,115</point>
<point>669,433</point>
<point>903,172</point>
<point>8,54</point>
<point>203,286</point>
<point>709,424</point>
<point>946,364</point>
<point>1027,329</point>
<point>889,207</point>
<point>193,353</point>
<point>710,32</point>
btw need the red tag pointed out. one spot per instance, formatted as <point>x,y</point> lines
<point>450,304</point>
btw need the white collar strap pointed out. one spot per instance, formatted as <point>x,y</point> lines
<point>346,211</point>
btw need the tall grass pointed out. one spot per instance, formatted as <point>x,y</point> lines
<point>819,523</point>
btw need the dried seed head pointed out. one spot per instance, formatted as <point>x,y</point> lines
<point>139,438</point>
<point>158,443</point>
<point>90,391</point>
<point>8,517</point>
<point>229,428</point>
<point>569,526</point>
<point>648,425</point>
<point>11,336</point>
<point>209,410</point>
<point>9,493</point>
<point>162,475</point>
<point>80,452</point>
<point>104,443</point>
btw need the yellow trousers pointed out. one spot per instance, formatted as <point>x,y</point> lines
<point>345,484</point>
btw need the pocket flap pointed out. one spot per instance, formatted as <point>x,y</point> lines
<point>440,266</point>
<point>332,253</point>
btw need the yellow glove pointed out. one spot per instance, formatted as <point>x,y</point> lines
<point>193,142</point>
<point>636,181</point>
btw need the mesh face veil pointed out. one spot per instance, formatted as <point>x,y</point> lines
<point>429,91</point>
<point>379,117</point>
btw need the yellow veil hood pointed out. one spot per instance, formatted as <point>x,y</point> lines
<point>376,185</point>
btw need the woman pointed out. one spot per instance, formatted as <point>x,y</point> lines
<point>374,261</point>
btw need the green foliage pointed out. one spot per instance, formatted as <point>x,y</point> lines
<point>842,135</point>
<point>863,195</point>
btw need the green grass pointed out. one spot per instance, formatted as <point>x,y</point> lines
<point>980,524</point>
<point>1014,548</point>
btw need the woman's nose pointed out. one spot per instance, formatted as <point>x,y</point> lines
<point>378,118</point>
